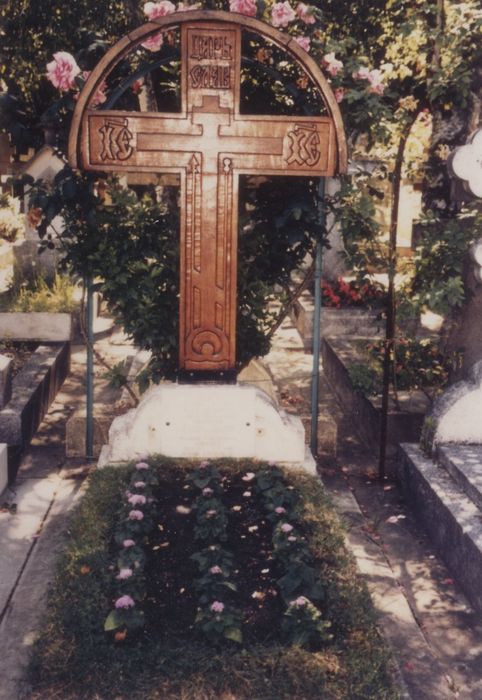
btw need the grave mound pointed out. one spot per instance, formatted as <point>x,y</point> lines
<point>233,583</point>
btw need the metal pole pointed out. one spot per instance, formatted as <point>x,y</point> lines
<point>89,426</point>
<point>315,377</point>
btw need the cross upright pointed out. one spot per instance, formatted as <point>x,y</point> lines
<point>209,143</point>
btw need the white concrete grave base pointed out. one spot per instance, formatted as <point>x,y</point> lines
<point>207,421</point>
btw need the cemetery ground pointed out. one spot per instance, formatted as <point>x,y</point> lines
<point>435,637</point>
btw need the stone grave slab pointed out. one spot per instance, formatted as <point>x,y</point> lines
<point>207,421</point>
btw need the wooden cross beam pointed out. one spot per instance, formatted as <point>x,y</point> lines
<point>209,143</point>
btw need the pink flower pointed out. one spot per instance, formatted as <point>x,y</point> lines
<point>217,606</point>
<point>286,527</point>
<point>137,499</point>
<point>153,43</point>
<point>299,602</point>
<point>247,494</point>
<point>140,485</point>
<point>124,574</point>
<point>292,538</point>
<point>377,89</point>
<point>128,543</point>
<point>204,464</point>
<point>215,570</point>
<point>62,71</point>
<point>142,465</point>
<point>158,9</point>
<point>207,491</point>
<point>249,476</point>
<point>305,13</point>
<point>282,14</point>
<point>304,42</point>
<point>124,602</point>
<point>361,74</point>
<point>339,94</point>
<point>136,515</point>
<point>280,510</point>
<point>99,96</point>
<point>244,7</point>
<point>375,79</point>
<point>210,513</point>
<point>136,86</point>
<point>332,64</point>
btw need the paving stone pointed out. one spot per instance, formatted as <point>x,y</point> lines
<point>18,530</point>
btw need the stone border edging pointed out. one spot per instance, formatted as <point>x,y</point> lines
<point>33,390</point>
<point>404,425</point>
<point>449,517</point>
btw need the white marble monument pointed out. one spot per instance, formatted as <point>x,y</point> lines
<point>208,421</point>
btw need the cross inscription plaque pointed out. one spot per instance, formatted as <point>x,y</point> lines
<point>209,143</point>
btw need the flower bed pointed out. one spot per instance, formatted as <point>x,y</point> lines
<point>214,581</point>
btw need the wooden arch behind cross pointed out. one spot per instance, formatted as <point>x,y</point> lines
<point>209,144</point>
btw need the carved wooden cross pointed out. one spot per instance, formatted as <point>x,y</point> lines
<point>209,143</point>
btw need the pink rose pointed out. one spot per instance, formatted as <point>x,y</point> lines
<point>128,543</point>
<point>62,71</point>
<point>332,64</point>
<point>124,574</point>
<point>305,13</point>
<point>286,527</point>
<point>304,42</point>
<point>140,485</point>
<point>136,515</point>
<point>339,94</point>
<point>361,74</point>
<point>99,96</point>
<point>207,491</point>
<point>280,510</point>
<point>217,606</point>
<point>299,602</point>
<point>158,9</point>
<point>215,570</point>
<point>249,476</point>
<point>125,601</point>
<point>154,42</point>
<point>375,79</point>
<point>244,7</point>
<point>137,499</point>
<point>142,465</point>
<point>282,14</point>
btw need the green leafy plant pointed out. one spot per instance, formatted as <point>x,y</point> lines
<point>364,378</point>
<point>303,624</point>
<point>56,296</point>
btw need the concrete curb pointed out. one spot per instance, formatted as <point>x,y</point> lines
<point>418,671</point>
<point>27,601</point>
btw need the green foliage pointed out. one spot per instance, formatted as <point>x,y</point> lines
<point>304,625</point>
<point>57,296</point>
<point>353,207</point>
<point>417,364</point>
<point>364,379</point>
<point>130,243</point>
<point>438,264</point>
